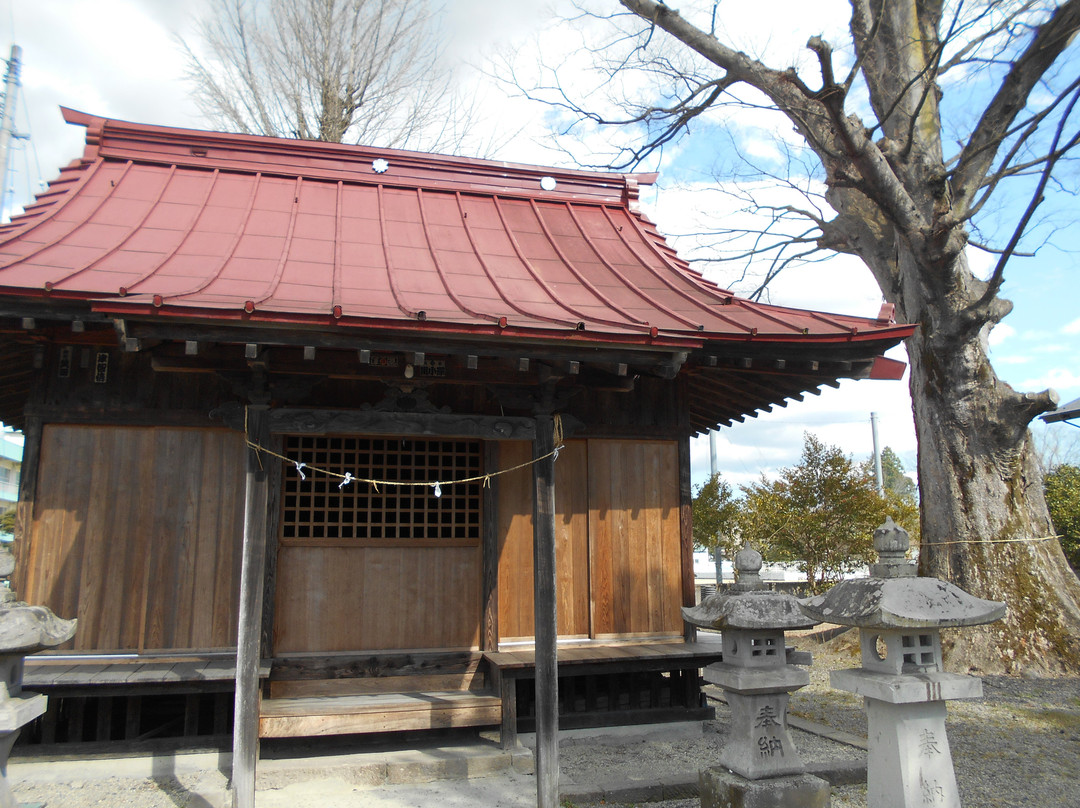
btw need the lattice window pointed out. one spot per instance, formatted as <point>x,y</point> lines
<point>315,510</point>
<point>763,646</point>
<point>918,650</point>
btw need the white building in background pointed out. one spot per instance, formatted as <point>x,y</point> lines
<point>11,451</point>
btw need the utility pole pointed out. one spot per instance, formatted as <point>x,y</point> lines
<point>877,455</point>
<point>7,120</point>
<point>718,564</point>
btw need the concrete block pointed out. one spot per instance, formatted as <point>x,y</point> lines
<point>633,794</point>
<point>522,762</point>
<point>721,788</point>
<point>364,775</point>
<point>839,772</point>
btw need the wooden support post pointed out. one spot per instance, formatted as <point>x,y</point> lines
<point>222,706</point>
<point>132,718</point>
<point>246,705</point>
<point>191,715</point>
<point>76,715</point>
<point>24,513</point>
<point>489,635</point>
<point>273,519</point>
<point>506,687</point>
<point>103,732</point>
<point>545,618</point>
<point>686,535</point>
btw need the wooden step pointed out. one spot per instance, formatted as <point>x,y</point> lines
<point>384,712</point>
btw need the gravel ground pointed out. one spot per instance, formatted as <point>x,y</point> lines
<point>1016,747</point>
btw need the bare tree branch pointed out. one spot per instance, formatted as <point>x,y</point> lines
<point>993,285</point>
<point>336,70</point>
<point>1010,100</point>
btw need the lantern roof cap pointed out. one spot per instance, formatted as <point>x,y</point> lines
<point>748,604</point>
<point>894,597</point>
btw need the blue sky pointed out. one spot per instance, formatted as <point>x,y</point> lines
<point>119,58</point>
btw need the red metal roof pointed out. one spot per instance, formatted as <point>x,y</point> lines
<point>161,221</point>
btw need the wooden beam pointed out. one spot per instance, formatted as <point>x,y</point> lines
<point>371,422</point>
<point>598,352</point>
<point>111,416</point>
<point>386,665</point>
<point>545,617</point>
<point>246,705</point>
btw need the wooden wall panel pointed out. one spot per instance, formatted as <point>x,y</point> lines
<point>515,526</point>
<point>572,539</point>
<point>634,537</point>
<point>135,531</point>
<point>332,599</point>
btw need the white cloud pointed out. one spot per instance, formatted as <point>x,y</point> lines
<point>1001,333</point>
<point>1061,379</point>
<point>692,215</point>
<point>1072,328</point>
<point>839,417</point>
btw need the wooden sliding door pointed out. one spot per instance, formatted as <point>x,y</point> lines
<point>617,540</point>
<point>634,538</point>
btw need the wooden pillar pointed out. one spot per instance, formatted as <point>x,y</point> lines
<point>24,512</point>
<point>546,623</point>
<point>246,705</point>
<point>489,633</point>
<point>273,527</point>
<point>686,501</point>
<point>686,535</point>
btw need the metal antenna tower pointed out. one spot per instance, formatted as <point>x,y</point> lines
<point>7,121</point>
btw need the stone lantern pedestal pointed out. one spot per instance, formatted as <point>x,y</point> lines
<point>900,617</point>
<point>760,765</point>
<point>23,630</point>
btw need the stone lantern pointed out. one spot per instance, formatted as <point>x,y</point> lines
<point>759,762</point>
<point>900,617</point>
<point>23,630</point>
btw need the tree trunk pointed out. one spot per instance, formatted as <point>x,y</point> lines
<point>985,525</point>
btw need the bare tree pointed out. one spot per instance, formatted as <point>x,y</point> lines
<point>361,71</point>
<point>868,118</point>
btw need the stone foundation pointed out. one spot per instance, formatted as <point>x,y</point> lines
<point>721,788</point>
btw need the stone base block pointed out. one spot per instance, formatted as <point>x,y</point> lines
<point>721,788</point>
<point>20,710</point>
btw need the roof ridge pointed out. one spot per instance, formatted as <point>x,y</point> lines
<point>313,159</point>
